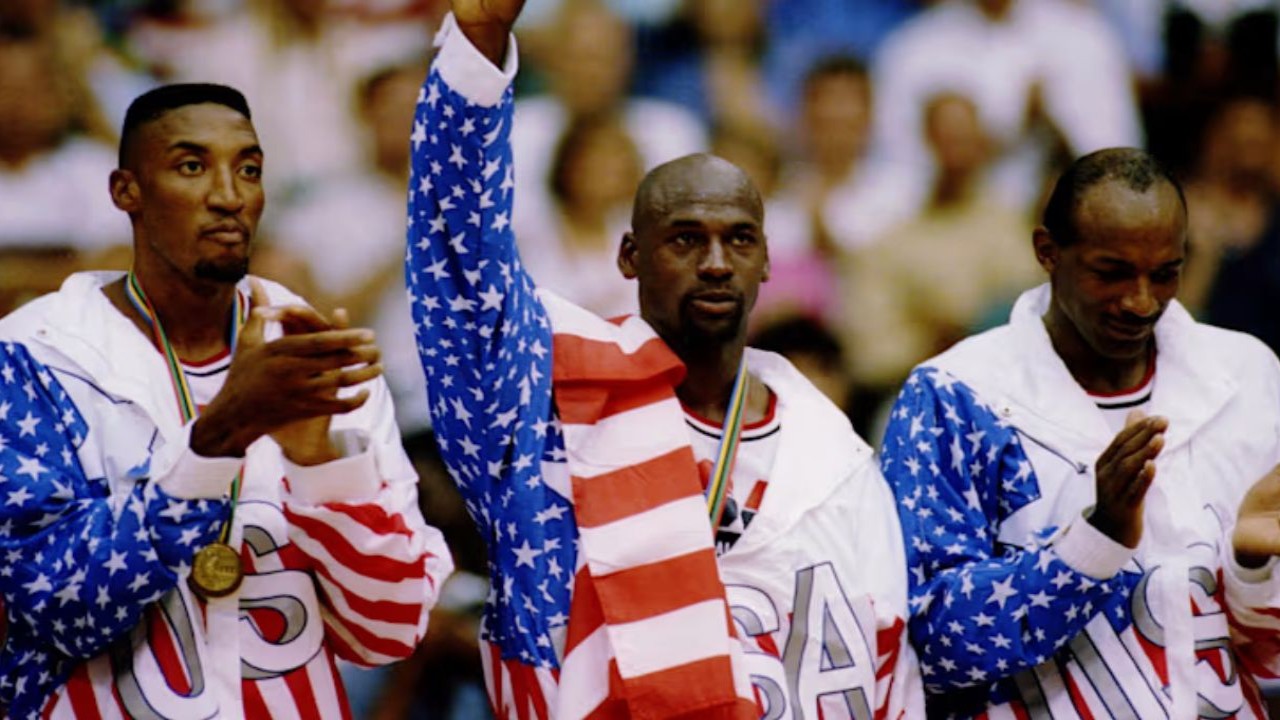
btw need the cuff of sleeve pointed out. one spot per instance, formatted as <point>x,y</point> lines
<point>191,476</point>
<point>1249,576</point>
<point>1087,550</point>
<point>352,477</point>
<point>468,71</point>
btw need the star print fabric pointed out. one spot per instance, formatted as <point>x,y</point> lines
<point>78,568</point>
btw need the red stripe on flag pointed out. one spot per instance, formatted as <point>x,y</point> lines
<point>585,404</point>
<point>661,587</point>
<point>386,611</point>
<point>576,359</point>
<point>304,696</point>
<point>374,566</point>
<point>254,705</point>
<point>693,690</point>
<point>622,493</point>
<point>370,641</point>
<point>165,649</point>
<point>1077,699</point>
<point>585,614</point>
<point>338,687</point>
<point>526,692</point>
<point>373,517</point>
<point>84,703</point>
<point>340,646</point>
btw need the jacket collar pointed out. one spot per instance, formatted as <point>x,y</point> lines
<point>1191,386</point>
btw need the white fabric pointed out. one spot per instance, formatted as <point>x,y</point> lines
<point>1220,391</point>
<point>119,382</point>
<point>1064,48</point>
<point>62,199</point>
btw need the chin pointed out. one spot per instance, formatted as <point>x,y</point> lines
<point>225,271</point>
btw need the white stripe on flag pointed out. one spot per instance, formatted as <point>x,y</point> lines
<point>613,443</point>
<point>612,547</point>
<point>671,639</point>
<point>584,677</point>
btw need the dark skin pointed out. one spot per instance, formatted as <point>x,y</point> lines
<point>192,187</point>
<point>697,248</point>
<point>1109,287</point>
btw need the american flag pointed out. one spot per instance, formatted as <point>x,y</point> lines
<point>486,343</point>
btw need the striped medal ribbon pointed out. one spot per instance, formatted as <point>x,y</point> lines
<point>730,434</point>
<point>215,569</point>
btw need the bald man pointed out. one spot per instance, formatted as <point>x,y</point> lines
<point>641,564</point>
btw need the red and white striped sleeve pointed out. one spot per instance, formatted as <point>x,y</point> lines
<point>378,565</point>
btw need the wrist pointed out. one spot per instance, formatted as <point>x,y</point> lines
<point>212,438</point>
<point>490,38</point>
<point>1112,529</point>
<point>312,454</point>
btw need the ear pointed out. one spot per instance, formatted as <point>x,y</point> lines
<point>125,192</point>
<point>764,276</point>
<point>1048,253</point>
<point>628,259</point>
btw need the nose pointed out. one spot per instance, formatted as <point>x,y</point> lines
<point>224,194</point>
<point>1140,300</point>
<point>714,262</point>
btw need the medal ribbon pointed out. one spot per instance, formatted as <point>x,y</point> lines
<point>718,486</point>
<point>181,390</point>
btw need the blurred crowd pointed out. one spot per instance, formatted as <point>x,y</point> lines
<point>904,148</point>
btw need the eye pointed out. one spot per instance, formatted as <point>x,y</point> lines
<point>252,171</point>
<point>190,167</point>
<point>1111,276</point>
<point>684,239</point>
<point>1167,275</point>
<point>743,239</point>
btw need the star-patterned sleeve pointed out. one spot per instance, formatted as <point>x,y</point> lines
<point>980,610</point>
<point>79,564</point>
<point>485,343</point>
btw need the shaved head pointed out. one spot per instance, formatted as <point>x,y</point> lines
<point>692,180</point>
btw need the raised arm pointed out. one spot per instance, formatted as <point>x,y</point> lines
<point>483,336</point>
<point>981,610</point>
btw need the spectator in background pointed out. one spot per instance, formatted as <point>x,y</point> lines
<point>1033,68</point>
<point>802,32</point>
<point>802,278</point>
<point>349,227</point>
<point>594,174</point>
<point>1233,275</point>
<point>817,354</point>
<point>932,280</point>
<point>54,202</point>
<point>709,60</point>
<point>299,61</point>
<point>588,54</point>
<point>849,198</point>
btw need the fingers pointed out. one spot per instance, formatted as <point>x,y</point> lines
<point>1138,432</point>
<point>341,321</point>
<point>301,319</point>
<point>251,334</point>
<point>346,377</point>
<point>321,343</point>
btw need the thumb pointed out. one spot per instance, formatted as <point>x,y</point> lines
<point>260,312</point>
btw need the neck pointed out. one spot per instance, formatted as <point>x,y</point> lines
<point>1094,373</point>
<point>195,317</point>
<point>708,383</point>
<point>952,189</point>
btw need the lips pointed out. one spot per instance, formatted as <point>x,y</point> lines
<point>1129,331</point>
<point>715,303</point>
<point>227,233</point>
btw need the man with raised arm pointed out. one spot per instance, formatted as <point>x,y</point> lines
<point>582,446</point>
<point>1088,490</point>
<point>220,507</point>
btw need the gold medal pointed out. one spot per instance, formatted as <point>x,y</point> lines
<point>215,570</point>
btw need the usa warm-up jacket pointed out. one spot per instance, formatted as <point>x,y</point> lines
<point>816,585</point>
<point>99,534</point>
<point>1019,607</point>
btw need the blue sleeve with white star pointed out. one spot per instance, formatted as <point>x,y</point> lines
<point>79,565</point>
<point>485,342</point>
<point>981,610</point>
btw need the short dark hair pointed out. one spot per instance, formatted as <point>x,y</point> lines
<point>158,101</point>
<point>1135,169</point>
<point>801,334</point>
<point>835,65</point>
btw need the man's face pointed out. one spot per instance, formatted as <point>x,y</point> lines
<point>699,258</point>
<point>197,174</point>
<point>837,117</point>
<point>1116,280</point>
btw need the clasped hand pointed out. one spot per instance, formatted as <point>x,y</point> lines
<point>288,387</point>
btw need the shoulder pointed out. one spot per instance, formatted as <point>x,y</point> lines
<point>1239,354</point>
<point>800,400</point>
